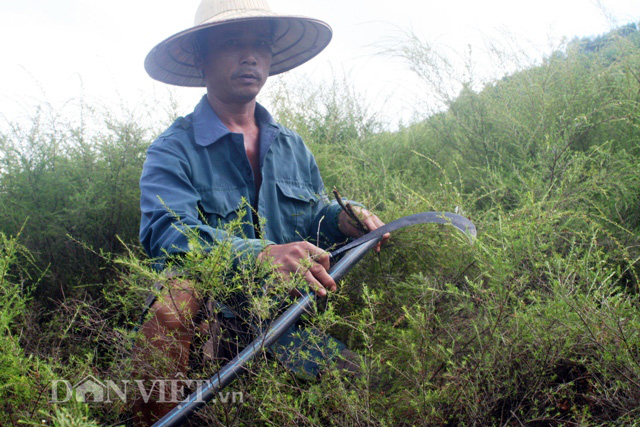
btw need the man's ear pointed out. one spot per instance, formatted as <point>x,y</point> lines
<point>198,53</point>
<point>198,63</point>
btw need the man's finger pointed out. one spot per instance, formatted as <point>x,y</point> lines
<point>373,222</point>
<point>320,256</point>
<point>323,259</point>
<point>314,284</point>
<point>321,275</point>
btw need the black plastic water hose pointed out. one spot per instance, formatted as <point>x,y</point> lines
<point>356,250</point>
<point>278,327</point>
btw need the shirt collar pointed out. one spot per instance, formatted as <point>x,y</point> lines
<point>207,127</point>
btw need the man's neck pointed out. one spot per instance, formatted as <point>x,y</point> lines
<point>236,117</point>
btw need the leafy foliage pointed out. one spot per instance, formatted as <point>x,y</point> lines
<point>66,185</point>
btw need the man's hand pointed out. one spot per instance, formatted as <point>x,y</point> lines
<point>304,258</point>
<point>370,220</point>
<point>312,262</point>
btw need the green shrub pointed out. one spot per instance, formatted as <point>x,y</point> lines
<point>72,185</point>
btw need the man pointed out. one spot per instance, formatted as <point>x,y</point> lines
<point>229,149</point>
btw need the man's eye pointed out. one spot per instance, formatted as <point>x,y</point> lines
<point>231,43</point>
<point>264,44</point>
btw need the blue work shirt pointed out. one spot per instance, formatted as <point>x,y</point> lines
<point>197,174</point>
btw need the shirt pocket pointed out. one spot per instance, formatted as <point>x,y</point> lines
<point>297,204</point>
<point>219,207</point>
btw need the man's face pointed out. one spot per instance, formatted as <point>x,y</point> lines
<point>237,61</point>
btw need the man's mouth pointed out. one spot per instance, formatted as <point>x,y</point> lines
<point>247,77</point>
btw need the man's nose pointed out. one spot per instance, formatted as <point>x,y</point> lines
<point>249,55</point>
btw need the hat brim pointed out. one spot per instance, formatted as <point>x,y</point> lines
<point>297,39</point>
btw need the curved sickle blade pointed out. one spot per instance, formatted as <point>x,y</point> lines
<point>458,221</point>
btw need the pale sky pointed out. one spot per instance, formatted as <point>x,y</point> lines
<point>56,50</point>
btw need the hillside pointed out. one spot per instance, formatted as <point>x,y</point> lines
<point>537,323</point>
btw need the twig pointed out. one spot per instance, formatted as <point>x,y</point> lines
<point>349,210</point>
<point>318,233</point>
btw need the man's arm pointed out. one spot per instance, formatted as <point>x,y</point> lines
<point>169,208</point>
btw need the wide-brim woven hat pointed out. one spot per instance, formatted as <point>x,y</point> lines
<point>296,40</point>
